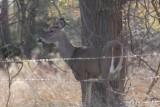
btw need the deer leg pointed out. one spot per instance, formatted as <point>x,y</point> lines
<point>86,87</point>
<point>89,93</point>
<point>84,91</point>
<point>122,83</point>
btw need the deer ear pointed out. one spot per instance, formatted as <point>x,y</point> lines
<point>60,23</point>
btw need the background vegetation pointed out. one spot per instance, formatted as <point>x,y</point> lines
<point>23,21</point>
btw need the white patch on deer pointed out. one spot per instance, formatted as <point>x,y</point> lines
<point>111,70</point>
<point>114,72</point>
<point>119,67</point>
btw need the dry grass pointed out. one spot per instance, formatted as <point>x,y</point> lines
<point>61,94</point>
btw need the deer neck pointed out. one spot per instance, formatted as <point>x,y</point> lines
<point>66,49</point>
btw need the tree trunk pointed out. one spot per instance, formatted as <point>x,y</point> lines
<point>4,29</point>
<point>101,22</point>
<point>27,17</point>
<point>31,27</point>
<point>22,19</point>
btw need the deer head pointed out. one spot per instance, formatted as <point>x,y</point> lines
<point>52,34</point>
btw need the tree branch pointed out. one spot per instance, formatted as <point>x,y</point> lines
<point>59,12</point>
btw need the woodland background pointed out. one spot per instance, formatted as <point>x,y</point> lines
<point>24,82</point>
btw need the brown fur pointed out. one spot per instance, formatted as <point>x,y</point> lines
<point>89,69</point>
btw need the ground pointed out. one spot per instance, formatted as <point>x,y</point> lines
<point>62,90</point>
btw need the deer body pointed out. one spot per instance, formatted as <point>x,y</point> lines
<point>82,69</point>
<point>109,69</point>
<point>85,69</point>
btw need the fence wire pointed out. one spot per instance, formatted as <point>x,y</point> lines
<point>74,81</point>
<point>128,103</point>
<point>79,58</point>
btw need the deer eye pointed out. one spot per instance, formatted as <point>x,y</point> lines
<point>51,31</point>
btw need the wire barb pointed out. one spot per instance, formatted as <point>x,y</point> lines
<point>79,58</point>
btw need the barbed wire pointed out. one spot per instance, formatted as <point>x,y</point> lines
<point>88,80</point>
<point>129,103</point>
<point>76,81</point>
<point>78,58</point>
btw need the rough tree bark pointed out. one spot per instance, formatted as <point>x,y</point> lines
<point>4,29</point>
<point>27,16</point>
<point>31,27</point>
<point>101,21</point>
<point>22,18</point>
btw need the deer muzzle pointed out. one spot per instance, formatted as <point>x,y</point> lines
<point>41,40</point>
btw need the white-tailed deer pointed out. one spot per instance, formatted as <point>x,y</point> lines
<point>110,69</point>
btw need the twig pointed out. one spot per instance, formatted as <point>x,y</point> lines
<point>9,83</point>
<point>59,12</point>
<point>156,10</point>
<point>18,71</point>
<point>128,18</point>
<point>154,80</point>
<point>55,66</point>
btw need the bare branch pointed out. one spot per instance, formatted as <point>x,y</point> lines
<point>156,10</point>
<point>59,12</point>
<point>154,80</point>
